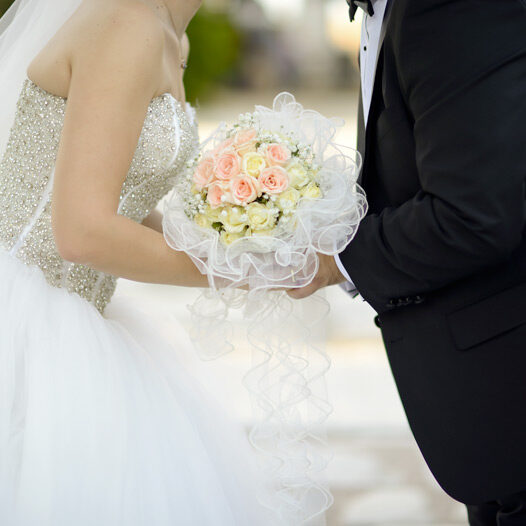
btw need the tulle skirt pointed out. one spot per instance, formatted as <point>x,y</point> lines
<point>100,424</point>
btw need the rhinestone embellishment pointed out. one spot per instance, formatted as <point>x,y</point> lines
<point>168,140</point>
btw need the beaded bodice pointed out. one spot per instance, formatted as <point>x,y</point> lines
<point>167,143</point>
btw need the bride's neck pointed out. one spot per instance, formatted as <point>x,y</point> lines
<point>179,13</point>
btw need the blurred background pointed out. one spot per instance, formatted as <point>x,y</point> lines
<point>244,52</point>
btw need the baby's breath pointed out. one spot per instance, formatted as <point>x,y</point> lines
<point>195,202</point>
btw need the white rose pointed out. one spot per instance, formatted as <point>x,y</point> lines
<point>299,177</point>
<point>288,200</point>
<point>254,164</point>
<point>311,191</point>
<point>228,238</point>
<point>260,217</point>
<point>203,221</point>
<point>212,214</point>
<point>235,220</point>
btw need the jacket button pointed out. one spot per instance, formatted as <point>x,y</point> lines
<point>418,300</point>
<point>377,322</point>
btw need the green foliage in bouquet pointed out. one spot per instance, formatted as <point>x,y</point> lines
<point>215,50</point>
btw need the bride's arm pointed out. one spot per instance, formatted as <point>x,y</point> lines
<point>115,73</point>
<point>154,221</point>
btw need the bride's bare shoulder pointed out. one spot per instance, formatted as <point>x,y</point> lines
<point>125,21</point>
<point>99,29</point>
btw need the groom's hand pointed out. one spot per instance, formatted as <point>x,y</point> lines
<point>328,274</point>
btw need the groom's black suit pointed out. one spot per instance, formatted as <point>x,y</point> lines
<point>441,255</point>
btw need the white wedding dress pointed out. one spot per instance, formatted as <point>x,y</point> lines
<point>99,422</point>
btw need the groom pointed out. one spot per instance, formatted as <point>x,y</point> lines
<point>441,255</point>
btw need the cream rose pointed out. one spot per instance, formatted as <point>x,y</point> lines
<point>260,217</point>
<point>311,191</point>
<point>227,238</point>
<point>299,176</point>
<point>253,164</point>
<point>274,180</point>
<point>278,154</point>
<point>213,214</point>
<point>234,219</point>
<point>288,200</point>
<point>203,221</point>
<point>244,190</point>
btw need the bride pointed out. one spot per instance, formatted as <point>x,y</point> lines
<point>99,423</point>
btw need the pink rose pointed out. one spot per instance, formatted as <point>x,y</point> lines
<point>244,136</point>
<point>245,189</point>
<point>274,180</point>
<point>277,154</point>
<point>225,145</point>
<point>217,194</point>
<point>245,141</point>
<point>204,173</point>
<point>228,165</point>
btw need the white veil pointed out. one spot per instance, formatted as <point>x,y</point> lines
<point>25,29</point>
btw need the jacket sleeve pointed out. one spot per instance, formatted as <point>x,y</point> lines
<point>462,70</point>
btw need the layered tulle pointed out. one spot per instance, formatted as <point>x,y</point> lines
<point>287,381</point>
<point>100,424</point>
<point>285,257</point>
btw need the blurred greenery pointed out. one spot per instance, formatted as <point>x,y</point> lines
<point>4,6</point>
<point>215,47</point>
<point>215,51</point>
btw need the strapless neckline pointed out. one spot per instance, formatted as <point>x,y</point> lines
<point>167,144</point>
<point>185,106</point>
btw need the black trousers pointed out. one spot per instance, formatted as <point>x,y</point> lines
<point>510,511</point>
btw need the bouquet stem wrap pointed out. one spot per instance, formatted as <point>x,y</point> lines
<point>317,210</point>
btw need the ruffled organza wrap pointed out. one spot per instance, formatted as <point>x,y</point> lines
<point>247,306</point>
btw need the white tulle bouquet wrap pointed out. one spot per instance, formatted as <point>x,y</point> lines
<point>267,195</point>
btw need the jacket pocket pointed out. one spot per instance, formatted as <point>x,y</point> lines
<point>488,318</point>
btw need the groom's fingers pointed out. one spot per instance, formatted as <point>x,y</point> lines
<point>297,294</point>
<point>328,274</point>
<point>304,292</point>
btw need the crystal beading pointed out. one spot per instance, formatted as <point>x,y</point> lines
<point>168,141</point>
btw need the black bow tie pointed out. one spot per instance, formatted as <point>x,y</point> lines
<point>366,5</point>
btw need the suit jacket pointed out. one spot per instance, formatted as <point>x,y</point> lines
<point>441,255</point>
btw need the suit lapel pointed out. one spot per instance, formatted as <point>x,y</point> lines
<point>361,133</point>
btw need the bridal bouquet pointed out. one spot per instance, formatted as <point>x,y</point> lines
<point>252,183</point>
<point>265,197</point>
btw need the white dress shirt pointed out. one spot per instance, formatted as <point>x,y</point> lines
<point>370,42</point>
